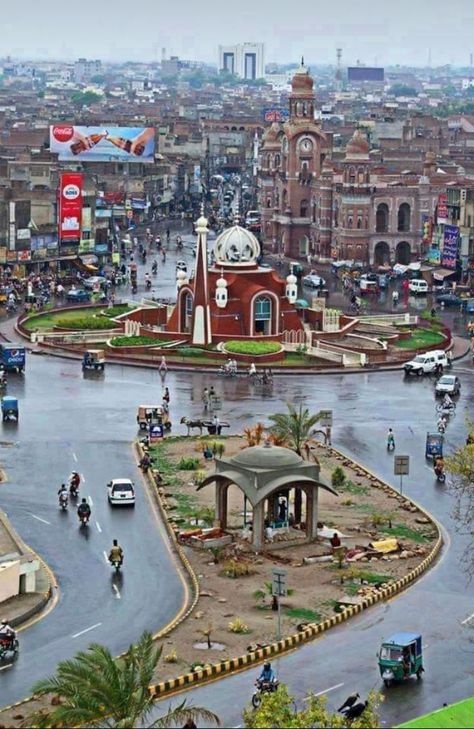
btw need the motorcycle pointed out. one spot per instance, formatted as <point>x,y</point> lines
<point>73,490</point>
<point>148,284</point>
<point>444,410</point>
<point>390,444</point>
<point>134,289</point>
<point>84,517</point>
<point>154,269</point>
<point>8,645</point>
<point>63,501</point>
<point>440,475</point>
<point>262,687</point>
<point>442,427</point>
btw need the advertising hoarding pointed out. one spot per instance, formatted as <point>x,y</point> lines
<point>365,73</point>
<point>450,248</point>
<point>99,144</point>
<point>442,212</point>
<point>70,207</point>
<point>275,115</point>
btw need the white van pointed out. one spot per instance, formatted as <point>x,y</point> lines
<point>418,286</point>
<point>427,364</point>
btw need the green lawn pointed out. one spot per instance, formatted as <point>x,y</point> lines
<point>49,320</point>
<point>420,338</point>
<point>458,715</point>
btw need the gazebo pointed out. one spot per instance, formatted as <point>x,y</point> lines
<point>263,474</point>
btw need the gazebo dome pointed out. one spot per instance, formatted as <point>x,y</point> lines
<point>236,245</point>
<point>267,457</point>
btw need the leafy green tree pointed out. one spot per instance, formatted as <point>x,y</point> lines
<point>294,428</point>
<point>402,90</point>
<point>85,98</point>
<point>97,690</point>
<point>278,709</point>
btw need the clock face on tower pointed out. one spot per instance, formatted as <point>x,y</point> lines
<point>306,146</point>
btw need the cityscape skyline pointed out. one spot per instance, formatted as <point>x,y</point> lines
<point>369,32</point>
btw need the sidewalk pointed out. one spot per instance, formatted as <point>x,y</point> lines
<point>17,610</point>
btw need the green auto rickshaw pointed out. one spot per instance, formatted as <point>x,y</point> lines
<point>401,657</point>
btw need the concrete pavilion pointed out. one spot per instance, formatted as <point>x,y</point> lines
<point>263,474</point>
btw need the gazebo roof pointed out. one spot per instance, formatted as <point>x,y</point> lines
<point>261,470</point>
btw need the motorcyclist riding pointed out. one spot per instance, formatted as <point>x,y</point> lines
<point>267,675</point>
<point>447,402</point>
<point>145,462</point>
<point>116,553</point>
<point>7,634</point>
<point>154,267</point>
<point>84,511</point>
<point>63,495</point>
<point>252,370</point>
<point>442,423</point>
<point>74,482</point>
<point>390,439</point>
<point>439,466</point>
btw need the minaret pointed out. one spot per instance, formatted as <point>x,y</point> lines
<point>201,323</point>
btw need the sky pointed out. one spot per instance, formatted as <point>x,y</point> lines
<point>373,32</point>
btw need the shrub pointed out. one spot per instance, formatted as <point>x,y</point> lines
<point>85,322</point>
<point>172,657</point>
<point>188,464</point>
<point>189,352</point>
<point>256,348</point>
<point>123,341</point>
<point>116,310</point>
<point>238,626</point>
<point>338,477</point>
<point>234,569</point>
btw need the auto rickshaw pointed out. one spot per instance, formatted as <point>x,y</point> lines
<point>401,657</point>
<point>149,415</point>
<point>434,445</point>
<point>133,274</point>
<point>9,408</point>
<point>94,359</point>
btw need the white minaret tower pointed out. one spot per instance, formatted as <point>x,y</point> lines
<point>201,322</point>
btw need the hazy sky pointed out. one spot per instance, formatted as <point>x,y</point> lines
<point>400,31</point>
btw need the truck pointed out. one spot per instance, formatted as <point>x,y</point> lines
<point>12,357</point>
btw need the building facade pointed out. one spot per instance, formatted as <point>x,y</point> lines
<point>245,60</point>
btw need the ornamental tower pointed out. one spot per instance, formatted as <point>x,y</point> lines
<point>201,319</point>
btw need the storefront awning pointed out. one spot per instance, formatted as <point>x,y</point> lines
<point>443,273</point>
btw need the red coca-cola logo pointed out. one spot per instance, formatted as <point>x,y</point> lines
<point>63,133</point>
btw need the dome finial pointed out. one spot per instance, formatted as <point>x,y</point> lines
<point>302,61</point>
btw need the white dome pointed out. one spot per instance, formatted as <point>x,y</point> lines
<point>291,279</point>
<point>181,275</point>
<point>221,283</point>
<point>236,245</point>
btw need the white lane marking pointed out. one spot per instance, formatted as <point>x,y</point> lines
<point>331,688</point>
<point>83,478</point>
<point>81,632</point>
<point>468,619</point>
<point>99,528</point>
<point>38,518</point>
<point>90,501</point>
<point>4,668</point>
<point>75,457</point>
<point>117,592</point>
<point>106,557</point>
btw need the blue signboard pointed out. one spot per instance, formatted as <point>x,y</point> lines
<point>451,245</point>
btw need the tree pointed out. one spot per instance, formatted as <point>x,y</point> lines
<point>278,709</point>
<point>402,90</point>
<point>294,429</point>
<point>460,468</point>
<point>97,690</point>
<point>85,98</point>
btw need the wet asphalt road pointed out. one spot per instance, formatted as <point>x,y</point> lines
<point>64,417</point>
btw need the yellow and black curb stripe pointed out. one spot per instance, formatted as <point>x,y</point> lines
<point>234,665</point>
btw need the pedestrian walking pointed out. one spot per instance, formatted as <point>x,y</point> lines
<point>216,424</point>
<point>205,398</point>
<point>163,366</point>
<point>166,395</point>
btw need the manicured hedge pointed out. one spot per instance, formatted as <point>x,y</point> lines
<point>135,341</point>
<point>85,322</point>
<point>257,348</point>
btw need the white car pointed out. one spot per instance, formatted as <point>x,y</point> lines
<point>94,282</point>
<point>312,280</point>
<point>121,491</point>
<point>418,286</point>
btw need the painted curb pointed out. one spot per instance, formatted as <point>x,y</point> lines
<point>215,671</point>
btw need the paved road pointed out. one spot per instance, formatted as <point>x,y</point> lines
<point>64,417</point>
<point>70,423</point>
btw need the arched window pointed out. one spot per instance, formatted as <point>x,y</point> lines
<point>359,223</point>
<point>304,207</point>
<point>349,222</point>
<point>186,311</point>
<point>269,202</point>
<point>352,176</point>
<point>262,315</point>
<point>404,218</point>
<point>277,161</point>
<point>381,216</point>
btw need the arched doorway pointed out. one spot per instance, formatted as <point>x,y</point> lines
<point>381,218</point>
<point>404,218</point>
<point>186,311</point>
<point>381,254</point>
<point>403,253</point>
<point>304,245</point>
<point>262,315</point>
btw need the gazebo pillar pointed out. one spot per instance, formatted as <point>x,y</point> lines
<point>221,505</point>
<point>312,513</point>
<point>257,525</point>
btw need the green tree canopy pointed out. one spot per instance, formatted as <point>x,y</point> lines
<point>85,98</point>
<point>402,90</point>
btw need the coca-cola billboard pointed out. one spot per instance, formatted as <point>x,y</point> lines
<point>99,144</point>
<point>70,207</point>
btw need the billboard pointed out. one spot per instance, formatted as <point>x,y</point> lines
<point>450,248</point>
<point>275,115</point>
<point>442,209</point>
<point>70,207</point>
<point>97,144</point>
<point>363,73</point>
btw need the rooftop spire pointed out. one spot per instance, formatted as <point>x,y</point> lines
<point>302,60</point>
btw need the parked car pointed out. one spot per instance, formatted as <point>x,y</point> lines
<point>448,384</point>
<point>312,280</point>
<point>94,282</point>
<point>367,286</point>
<point>121,491</point>
<point>429,363</point>
<point>449,299</point>
<point>75,296</point>
<point>418,286</point>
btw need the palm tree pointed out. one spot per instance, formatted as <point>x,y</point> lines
<point>295,430</point>
<point>97,690</point>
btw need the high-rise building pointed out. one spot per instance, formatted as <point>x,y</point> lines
<point>84,70</point>
<point>245,60</point>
